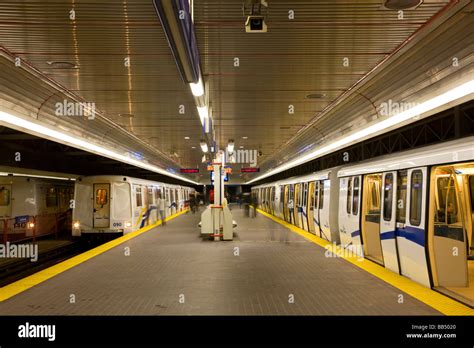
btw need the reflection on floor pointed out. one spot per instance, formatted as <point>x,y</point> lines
<point>463,294</point>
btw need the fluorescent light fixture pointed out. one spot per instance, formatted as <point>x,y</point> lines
<point>204,147</point>
<point>186,138</point>
<point>230,146</point>
<point>203,112</point>
<point>431,104</point>
<point>23,125</point>
<point>197,88</point>
<point>36,176</point>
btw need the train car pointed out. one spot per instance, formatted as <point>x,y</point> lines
<point>32,207</point>
<point>410,212</point>
<point>416,214</point>
<point>309,202</point>
<point>115,205</point>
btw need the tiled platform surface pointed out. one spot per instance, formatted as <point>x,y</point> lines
<point>172,271</point>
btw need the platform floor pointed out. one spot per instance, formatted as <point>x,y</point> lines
<point>172,263</point>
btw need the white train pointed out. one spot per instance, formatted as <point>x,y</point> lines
<point>120,204</point>
<point>33,206</point>
<point>411,212</point>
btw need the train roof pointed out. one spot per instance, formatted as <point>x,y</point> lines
<point>448,152</point>
<point>320,175</point>
<point>129,179</point>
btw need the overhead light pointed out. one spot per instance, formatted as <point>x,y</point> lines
<point>193,147</point>
<point>204,147</point>
<point>175,17</point>
<point>62,65</point>
<point>29,127</point>
<point>315,96</point>
<point>197,88</point>
<point>36,176</point>
<point>241,147</point>
<point>203,112</point>
<point>245,138</point>
<point>187,138</point>
<point>456,93</point>
<point>230,146</point>
<point>402,4</point>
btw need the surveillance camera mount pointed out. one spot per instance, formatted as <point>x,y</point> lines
<point>255,8</point>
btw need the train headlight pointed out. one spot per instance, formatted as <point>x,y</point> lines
<point>77,224</point>
<point>31,224</point>
<point>128,224</point>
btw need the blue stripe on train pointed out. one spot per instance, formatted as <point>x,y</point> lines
<point>355,233</point>
<point>413,234</point>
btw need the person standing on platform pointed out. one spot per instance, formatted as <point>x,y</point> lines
<point>291,208</point>
<point>160,204</point>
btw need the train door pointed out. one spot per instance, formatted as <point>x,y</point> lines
<point>317,229</point>
<point>305,207</point>
<point>291,204</point>
<point>267,199</point>
<point>450,230</point>
<point>324,208</point>
<point>388,221</point>
<point>5,201</point>
<point>310,208</point>
<point>101,215</point>
<point>286,212</point>
<point>167,201</point>
<point>272,200</point>
<point>371,217</point>
<point>297,200</point>
<point>281,202</point>
<point>411,233</point>
<point>349,212</point>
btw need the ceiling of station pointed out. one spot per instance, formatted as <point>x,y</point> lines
<point>251,102</point>
<point>97,42</point>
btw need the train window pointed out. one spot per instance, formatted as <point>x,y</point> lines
<point>101,197</point>
<point>150,195</point>
<point>355,197</point>
<point>401,196</point>
<point>157,193</point>
<point>52,197</point>
<point>311,198</point>
<point>305,194</point>
<point>471,189</point>
<point>349,196</point>
<point>138,195</point>
<point>373,196</point>
<point>4,196</point>
<point>388,197</point>
<point>447,206</point>
<point>321,194</point>
<point>316,194</point>
<point>416,196</point>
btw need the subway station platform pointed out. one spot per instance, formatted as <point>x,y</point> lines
<point>170,270</point>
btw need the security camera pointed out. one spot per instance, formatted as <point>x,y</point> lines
<point>255,24</point>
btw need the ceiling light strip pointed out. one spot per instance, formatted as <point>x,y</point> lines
<point>42,131</point>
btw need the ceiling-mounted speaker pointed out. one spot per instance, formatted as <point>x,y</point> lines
<point>402,4</point>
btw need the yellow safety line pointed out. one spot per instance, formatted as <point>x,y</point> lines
<point>19,286</point>
<point>430,297</point>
